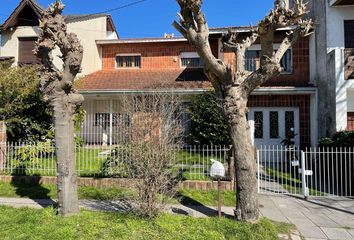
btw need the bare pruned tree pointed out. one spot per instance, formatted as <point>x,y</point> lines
<point>57,86</point>
<point>148,158</point>
<point>234,88</point>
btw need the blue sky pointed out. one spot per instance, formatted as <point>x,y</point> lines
<point>153,18</point>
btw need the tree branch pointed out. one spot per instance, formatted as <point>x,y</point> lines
<point>54,33</point>
<point>304,29</point>
<point>192,25</point>
<point>280,16</point>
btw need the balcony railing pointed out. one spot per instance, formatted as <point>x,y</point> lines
<point>349,63</point>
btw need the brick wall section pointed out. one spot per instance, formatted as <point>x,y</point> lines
<point>164,55</point>
<point>301,66</point>
<point>300,101</point>
<point>113,182</point>
<point>350,121</point>
<point>230,58</point>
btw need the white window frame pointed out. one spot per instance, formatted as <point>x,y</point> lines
<point>257,47</point>
<point>126,55</point>
<point>188,55</point>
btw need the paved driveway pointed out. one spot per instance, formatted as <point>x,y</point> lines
<point>316,218</point>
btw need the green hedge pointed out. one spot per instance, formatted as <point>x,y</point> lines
<point>339,139</point>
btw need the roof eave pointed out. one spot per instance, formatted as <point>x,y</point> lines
<point>111,22</point>
<point>38,10</point>
<point>145,40</point>
<point>147,91</point>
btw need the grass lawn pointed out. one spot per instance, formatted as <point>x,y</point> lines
<point>184,196</point>
<point>27,223</point>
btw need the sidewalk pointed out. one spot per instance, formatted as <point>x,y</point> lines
<point>317,218</point>
<point>321,218</point>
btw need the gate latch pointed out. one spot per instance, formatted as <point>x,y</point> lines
<point>307,172</point>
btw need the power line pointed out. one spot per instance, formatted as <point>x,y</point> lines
<point>123,6</point>
<point>93,14</point>
<point>110,10</point>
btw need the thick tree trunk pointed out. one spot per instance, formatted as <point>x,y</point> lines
<point>235,87</point>
<point>65,152</point>
<point>245,163</point>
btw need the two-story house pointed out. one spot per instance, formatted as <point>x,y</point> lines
<point>285,107</point>
<point>19,33</point>
<point>331,49</point>
<point>281,109</point>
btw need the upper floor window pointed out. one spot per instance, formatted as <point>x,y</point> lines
<point>253,60</point>
<point>191,60</point>
<point>349,33</point>
<point>128,61</point>
<point>26,55</point>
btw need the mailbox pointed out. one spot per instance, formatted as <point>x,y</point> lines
<point>217,169</point>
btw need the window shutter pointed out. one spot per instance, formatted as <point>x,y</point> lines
<point>25,51</point>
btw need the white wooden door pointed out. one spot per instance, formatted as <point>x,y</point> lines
<point>270,126</point>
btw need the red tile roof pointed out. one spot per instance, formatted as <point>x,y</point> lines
<point>140,79</point>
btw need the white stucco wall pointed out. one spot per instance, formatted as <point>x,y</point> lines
<point>88,31</point>
<point>9,40</point>
<point>335,41</point>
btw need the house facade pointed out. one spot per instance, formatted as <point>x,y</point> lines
<point>331,48</point>
<point>286,107</point>
<point>283,108</point>
<point>20,30</point>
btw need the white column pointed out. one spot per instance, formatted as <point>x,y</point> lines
<point>110,121</point>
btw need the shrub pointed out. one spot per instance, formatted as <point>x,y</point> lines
<point>27,116</point>
<point>148,156</point>
<point>339,139</point>
<point>208,123</point>
<point>29,156</point>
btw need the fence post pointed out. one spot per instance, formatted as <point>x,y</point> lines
<point>231,163</point>
<point>258,170</point>
<point>3,145</point>
<point>303,175</point>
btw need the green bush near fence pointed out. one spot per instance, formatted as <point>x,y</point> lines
<point>339,139</point>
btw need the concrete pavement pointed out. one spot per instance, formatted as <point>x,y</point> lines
<point>316,218</point>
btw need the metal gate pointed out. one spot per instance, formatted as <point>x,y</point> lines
<point>311,172</point>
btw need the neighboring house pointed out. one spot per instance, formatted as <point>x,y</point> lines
<point>332,51</point>
<point>19,33</point>
<point>283,108</point>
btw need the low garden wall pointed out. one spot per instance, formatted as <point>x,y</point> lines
<point>114,182</point>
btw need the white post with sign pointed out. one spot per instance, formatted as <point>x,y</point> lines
<point>217,171</point>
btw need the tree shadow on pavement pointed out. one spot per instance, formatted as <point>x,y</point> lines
<point>197,207</point>
<point>31,187</point>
